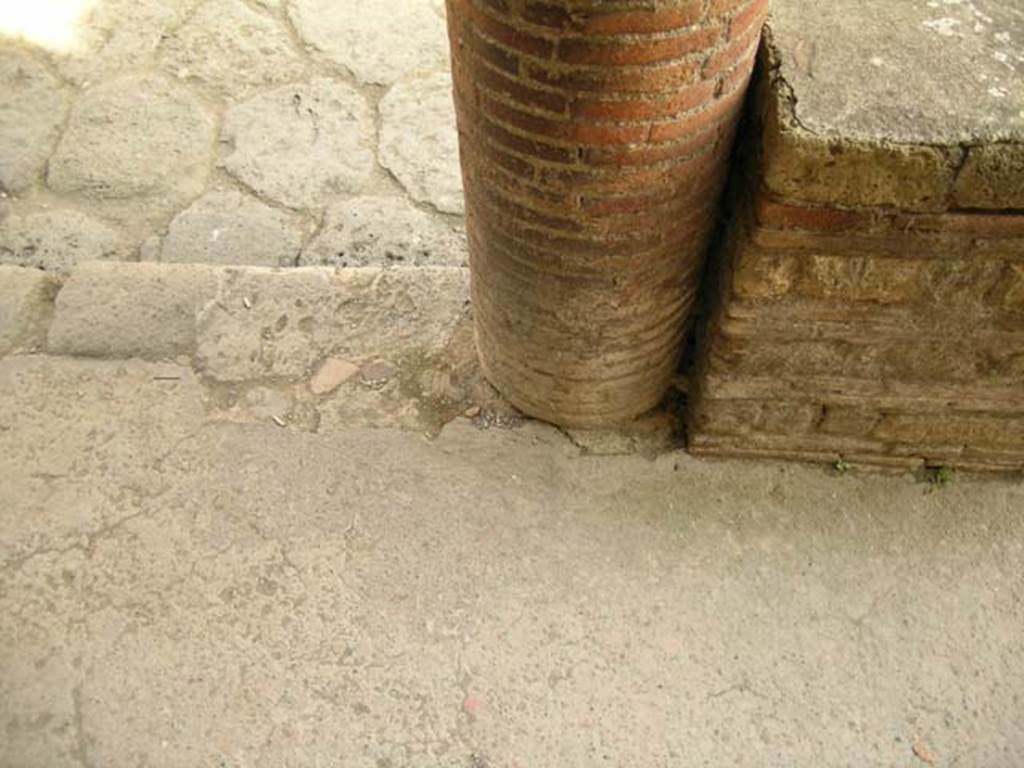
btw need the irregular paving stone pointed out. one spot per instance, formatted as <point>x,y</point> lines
<point>227,227</point>
<point>232,48</point>
<point>385,231</point>
<point>280,324</point>
<point>419,142</point>
<point>26,304</point>
<point>135,136</point>
<point>118,36</point>
<point>57,240</point>
<point>301,144</point>
<point>131,310</point>
<point>378,41</point>
<point>31,112</point>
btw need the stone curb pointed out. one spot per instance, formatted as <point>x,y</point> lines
<point>246,323</point>
<point>130,310</point>
<point>315,348</point>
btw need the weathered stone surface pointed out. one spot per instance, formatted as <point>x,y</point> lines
<point>419,142</point>
<point>264,404</point>
<point>850,420</point>
<point>873,107</point>
<point>118,36</point>
<point>299,145</point>
<point>116,398</point>
<point>956,430</point>
<point>356,406</point>
<point>909,73</point>
<point>851,278</point>
<point>32,108</point>
<point>806,168</point>
<point>887,334</point>
<point>180,585</point>
<point>992,177</point>
<point>1013,299</point>
<point>57,240</point>
<point>26,305</point>
<point>279,325</point>
<point>228,227</point>
<point>135,137</point>
<point>765,276</point>
<point>385,231</point>
<point>232,48</point>
<point>378,41</point>
<point>650,435</point>
<point>131,310</point>
<point>876,281</point>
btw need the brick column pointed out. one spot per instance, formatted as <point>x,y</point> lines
<point>594,137</point>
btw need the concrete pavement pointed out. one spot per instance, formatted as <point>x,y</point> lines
<point>181,588</point>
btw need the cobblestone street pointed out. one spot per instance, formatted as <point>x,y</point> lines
<point>233,132</point>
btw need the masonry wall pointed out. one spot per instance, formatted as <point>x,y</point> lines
<point>864,332</point>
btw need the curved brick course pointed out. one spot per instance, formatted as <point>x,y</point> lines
<point>594,137</point>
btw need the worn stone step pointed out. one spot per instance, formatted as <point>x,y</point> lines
<point>309,347</point>
<point>245,323</point>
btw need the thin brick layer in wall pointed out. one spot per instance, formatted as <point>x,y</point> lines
<point>868,334</point>
<point>594,139</point>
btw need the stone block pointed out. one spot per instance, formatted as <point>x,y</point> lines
<point>230,228</point>
<point>992,177</point>
<point>270,324</point>
<point>58,239</point>
<point>763,275</point>
<point>378,42</point>
<point>131,310</point>
<point>953,429</point>
<point>231,48</point>
<point>298,145</point>
<point>32,109</point>
<point>419,142</point>
<point>26,305</point>
<point>138,138</point>
<point>857,421</point>
<point>385,231</point>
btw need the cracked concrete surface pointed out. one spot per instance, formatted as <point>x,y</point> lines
<point>183,590</point>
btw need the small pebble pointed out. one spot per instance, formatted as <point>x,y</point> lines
<point>376,375</point>
<point>332,374</point>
